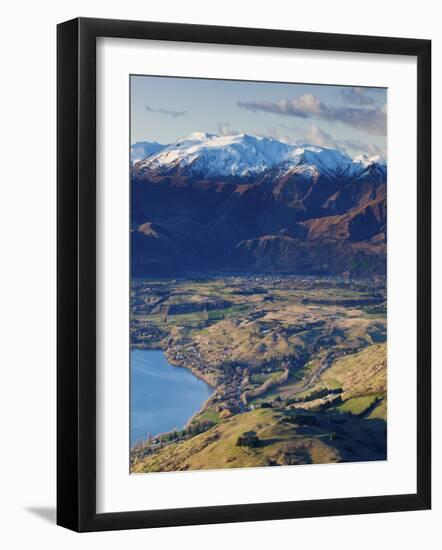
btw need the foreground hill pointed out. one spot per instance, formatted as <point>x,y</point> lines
<point>310,426</point>
<point>217,447</point>
<point>244,202</point>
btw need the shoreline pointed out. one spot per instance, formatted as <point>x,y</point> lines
<point>195,373</point>
<point>199,375</point>
<point>201,410</point>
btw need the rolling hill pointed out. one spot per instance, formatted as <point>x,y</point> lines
<point>353,430</point>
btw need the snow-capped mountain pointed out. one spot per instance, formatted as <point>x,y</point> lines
<point>143,149</point>
<point>244,202</point>
<point>213,155</point>
<point>244,155</point>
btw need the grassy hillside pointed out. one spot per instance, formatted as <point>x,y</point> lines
<point>363,379</point>
<point>285,437</point>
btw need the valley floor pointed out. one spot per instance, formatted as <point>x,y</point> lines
<point>298,365</point>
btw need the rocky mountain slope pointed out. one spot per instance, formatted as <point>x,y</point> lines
<point>242,202</point>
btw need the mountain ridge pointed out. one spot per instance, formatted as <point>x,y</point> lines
<point>209,202</point>
<point>212,155</point>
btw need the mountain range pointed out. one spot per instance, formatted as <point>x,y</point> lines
<point>250,203</point>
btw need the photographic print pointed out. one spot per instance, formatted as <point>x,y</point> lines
<point>258,296</point>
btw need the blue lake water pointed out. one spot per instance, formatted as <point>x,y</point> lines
<point>163,397</point>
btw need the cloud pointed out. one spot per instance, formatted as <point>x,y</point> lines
<point>275,133</point>
<point>372,120</point>
<point>165,111</point>
<point>356,146</point>
<point>302,106</point>
<point>369,118</point>
<point>225,129</point>
<point>317,136</point>
<point>356,96</point>
<point>171,113</point>
<point>314,135</point>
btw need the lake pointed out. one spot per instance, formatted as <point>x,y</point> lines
<point>163,397</point>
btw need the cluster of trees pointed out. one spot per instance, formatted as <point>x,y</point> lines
<point>164,313</point>
<point>265,386</point>
<point>195,428</point>
<point>276,363</point>
<point>248,439</point>
<point>329,403</point>
<point>232,368</point>
<point>174,435</point>
<point>198,427</point>
<point>317,394</point>
<point>228,368</point>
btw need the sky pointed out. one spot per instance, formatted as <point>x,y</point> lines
<point>353,119</point>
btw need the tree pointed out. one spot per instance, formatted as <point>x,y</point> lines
<point>248,439</point>
<point>164,313</point>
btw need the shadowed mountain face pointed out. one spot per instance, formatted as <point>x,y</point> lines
<point>248,203</point>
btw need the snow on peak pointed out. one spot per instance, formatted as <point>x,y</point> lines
<point>212,155</point>
<point>330,161</point>
<point>199,136</point>
<point>365,160</point>
<point>142,149</point>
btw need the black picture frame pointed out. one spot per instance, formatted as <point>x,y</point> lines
<point>76,274</point>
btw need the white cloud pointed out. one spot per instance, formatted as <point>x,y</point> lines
<point>225,129</point>
<point>316,136</point>
<point>368,118</point>
<point>165,111</point>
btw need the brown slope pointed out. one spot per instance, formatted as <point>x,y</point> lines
<point>359,224</point>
